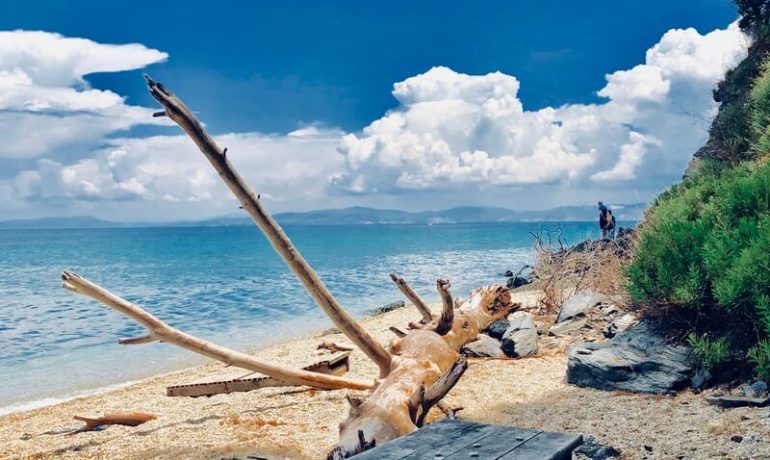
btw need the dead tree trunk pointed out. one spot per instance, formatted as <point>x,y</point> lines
<point>415,373</point>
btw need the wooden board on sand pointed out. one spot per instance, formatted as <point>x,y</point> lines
<point>457,439</point>
<point>238,380</point>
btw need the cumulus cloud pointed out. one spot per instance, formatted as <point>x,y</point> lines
<point>451,130</point>
<point>170,169</point>
<point>452,137</point>
<point>45,102</point>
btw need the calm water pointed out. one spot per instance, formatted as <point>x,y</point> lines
<point>222,283</point>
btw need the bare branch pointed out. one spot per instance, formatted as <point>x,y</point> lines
<point>446,320</point>
<point>442,386</point>
<point>158,330</point>
<point>413,297</point>
<point>181,115</point>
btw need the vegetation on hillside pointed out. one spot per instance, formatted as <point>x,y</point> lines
<point>705,242</point>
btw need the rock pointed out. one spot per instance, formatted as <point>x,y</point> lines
<point>521,337</point>
<point>738,401</point>
<point>517,281</point>
<point>637,360</point>
<point>497,329</point>
<point>736,438</point>
<point>619,325</point>
<point>577,304</point>
<point>591,449</point>
<point>485,347</point>
<point>609,310</point>
<point>508,274</point>
<point>568,328</point>
<point>757,389</point>
<point>389,307</point>
<point>700,379</point>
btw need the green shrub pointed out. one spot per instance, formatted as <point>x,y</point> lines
<point>705,244</point>
<point>711,353</point>
<point>760,358</point>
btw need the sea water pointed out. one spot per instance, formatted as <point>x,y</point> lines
<point>223,284</point>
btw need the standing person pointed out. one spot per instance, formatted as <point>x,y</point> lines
<point>604,219</point>
<point>611,224</point>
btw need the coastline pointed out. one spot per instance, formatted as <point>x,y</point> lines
<point>302,423</point>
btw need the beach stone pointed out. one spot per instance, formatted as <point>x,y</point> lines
<point>518,281</point>
<point>497,329</point>
<point>619,325</point>
<point>568,328</point>
<point>521,337</point>
<point>577,305</point>
<point>757,389</point>
<point>592,449</point>
<point>389,307</point>
<point>484,347</point>
<point>637,360</point>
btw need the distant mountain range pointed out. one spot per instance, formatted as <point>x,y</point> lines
<point>358,216</point>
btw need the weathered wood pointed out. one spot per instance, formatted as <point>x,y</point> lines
<point>444,323</point>
<point>338,364</point>
<point>163,332</point>
<point>457,439</point>
<point>182,116</point>
<point>545,446</point>
<point>409,293</point>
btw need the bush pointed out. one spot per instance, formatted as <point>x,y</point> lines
<point>760,358</point>
<point>705,244</point>
<point>711,353</point>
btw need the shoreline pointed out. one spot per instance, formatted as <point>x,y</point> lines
<point>302,423</point>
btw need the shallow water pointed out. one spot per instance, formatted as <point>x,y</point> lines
<point>222,283</point>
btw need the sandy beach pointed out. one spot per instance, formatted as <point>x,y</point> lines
<point>301,423</point>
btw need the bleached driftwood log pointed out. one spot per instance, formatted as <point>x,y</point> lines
<point>415,372</point>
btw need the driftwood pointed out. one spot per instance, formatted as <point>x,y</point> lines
<point>417,370</point>
<point>114,418</point>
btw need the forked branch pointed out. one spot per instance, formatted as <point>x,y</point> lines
<point>418,303</point>
<point>158,330</point>
<point>181,115</point>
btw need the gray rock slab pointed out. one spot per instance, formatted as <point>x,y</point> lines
<point>568,328</point>
<point>637,360</point>
<point>484,347</point>
<point>577,304</point>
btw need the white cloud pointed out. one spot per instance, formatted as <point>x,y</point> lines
<point>452,139</point>
<point>45,102</point>
<point>451,130</point>
<point>170,169</point>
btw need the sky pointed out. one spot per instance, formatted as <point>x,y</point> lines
<point>405,105</point>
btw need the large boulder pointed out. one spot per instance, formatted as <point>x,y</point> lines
<point>577,304</point>
<point>637,360</point>
<point>521,337</point>
<point>484,347</point>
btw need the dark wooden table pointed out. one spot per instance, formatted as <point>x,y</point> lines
<point>457,439</point>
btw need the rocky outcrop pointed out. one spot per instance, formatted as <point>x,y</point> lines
<point>637,360</point>
<point>521,337</point>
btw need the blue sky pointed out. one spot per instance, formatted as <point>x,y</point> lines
<point>258,72</point>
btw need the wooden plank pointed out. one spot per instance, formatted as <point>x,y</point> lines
<point>405,445</point>
<point>496,444</point>
<point>441,447</point>
<point>236,381</point>
<point>545,446</point>
<point>456,439</point>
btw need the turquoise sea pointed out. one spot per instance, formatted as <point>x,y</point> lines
<point>224,284</point>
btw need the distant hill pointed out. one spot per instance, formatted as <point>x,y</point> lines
<point>358,216</point>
